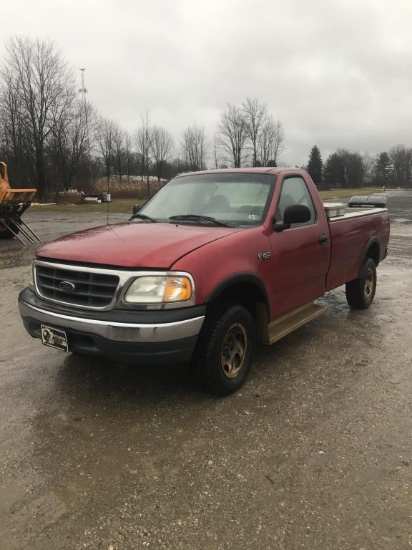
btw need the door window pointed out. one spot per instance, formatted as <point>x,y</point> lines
<point>294,191</point>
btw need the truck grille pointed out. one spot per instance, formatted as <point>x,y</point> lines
<point>80,288</point>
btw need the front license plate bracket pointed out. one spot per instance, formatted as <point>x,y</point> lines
<point>54,338</point>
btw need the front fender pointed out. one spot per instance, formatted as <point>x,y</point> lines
<point>236,279</point>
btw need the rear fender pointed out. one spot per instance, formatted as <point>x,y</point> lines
<point>372,250</point>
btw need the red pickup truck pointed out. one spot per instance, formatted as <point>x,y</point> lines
<point>216,262</point>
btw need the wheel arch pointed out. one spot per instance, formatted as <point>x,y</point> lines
<point>248,290</point>
<point>373,250</point>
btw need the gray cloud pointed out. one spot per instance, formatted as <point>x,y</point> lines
<point>335,73</point>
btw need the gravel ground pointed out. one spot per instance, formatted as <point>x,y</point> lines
<point>315,452</point>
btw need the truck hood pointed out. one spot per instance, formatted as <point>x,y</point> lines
<point>149,245</point>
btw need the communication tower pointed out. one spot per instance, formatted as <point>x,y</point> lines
<point>83,89</point>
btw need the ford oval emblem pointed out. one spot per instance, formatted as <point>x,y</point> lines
<point>67,286</point>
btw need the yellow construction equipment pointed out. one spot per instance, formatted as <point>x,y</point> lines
<point>13,202</point>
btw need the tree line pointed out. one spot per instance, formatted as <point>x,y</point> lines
<point>54,139</point>
<point>346,169</point>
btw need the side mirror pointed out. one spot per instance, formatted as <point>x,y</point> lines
<point>296,213</point>
<point>136,209</point>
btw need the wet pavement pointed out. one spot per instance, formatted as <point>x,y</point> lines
<point>315,452</point>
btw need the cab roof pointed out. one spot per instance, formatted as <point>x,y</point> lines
<point>260,170</point>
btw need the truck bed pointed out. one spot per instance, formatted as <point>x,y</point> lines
<point>349,239</point>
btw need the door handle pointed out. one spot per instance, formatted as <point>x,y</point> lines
<point>323,239</point>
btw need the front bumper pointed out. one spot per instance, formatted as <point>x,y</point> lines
<point>146,337</point>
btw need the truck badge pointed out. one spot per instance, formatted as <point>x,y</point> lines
<point>67,286</point>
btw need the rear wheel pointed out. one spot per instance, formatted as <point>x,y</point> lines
<point>361,291</point>
<point>225,349</point>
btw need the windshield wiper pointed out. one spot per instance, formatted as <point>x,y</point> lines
<point>142,217</point>
<point>197,218</point>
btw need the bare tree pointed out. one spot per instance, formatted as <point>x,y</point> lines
<point>15,143</point>
<point>70,143</point>
<point>401,158</point>
<point>216,160</point>
<point>38,86</point>
<point>127,153</point>
<point>232,134</point>
<point>369,163</point>
<point>106,130</point>
<point>256,117</point>
<point>162,147</point>
<point>271,142</point>
<point>194,147</point>
<point>344,169</point>
<point>143,142</point>
<point>118,150</point>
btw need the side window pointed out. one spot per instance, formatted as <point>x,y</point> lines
<point>295,191</point>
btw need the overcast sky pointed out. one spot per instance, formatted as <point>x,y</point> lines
<point>336,73</point>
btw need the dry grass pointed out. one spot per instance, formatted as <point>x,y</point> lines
<point>134,187</point>
<point>117,206</point>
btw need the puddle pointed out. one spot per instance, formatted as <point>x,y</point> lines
<point>401,220</point>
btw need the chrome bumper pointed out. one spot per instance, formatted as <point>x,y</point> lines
<point>116,331</point>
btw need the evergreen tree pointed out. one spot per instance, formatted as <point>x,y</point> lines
<point>383,170</point>
<point>315,165</point>
<point>334,171</point>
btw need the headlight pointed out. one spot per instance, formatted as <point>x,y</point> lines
<point>157,289</point>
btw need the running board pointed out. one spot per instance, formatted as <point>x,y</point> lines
<point>292,320</point>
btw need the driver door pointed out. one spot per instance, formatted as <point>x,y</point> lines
<point>300,254</point>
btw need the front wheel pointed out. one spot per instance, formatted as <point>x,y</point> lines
<point>361,291</point>
<point>225,348</point>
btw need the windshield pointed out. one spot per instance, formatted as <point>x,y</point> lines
<point>233,198</point>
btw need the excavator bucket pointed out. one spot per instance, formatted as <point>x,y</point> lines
<point>13,202</point>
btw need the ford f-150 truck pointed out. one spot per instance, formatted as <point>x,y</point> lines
<point>216,262</point>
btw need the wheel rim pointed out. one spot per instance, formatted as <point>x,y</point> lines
<point>234,349</point>
<point>369,285</point>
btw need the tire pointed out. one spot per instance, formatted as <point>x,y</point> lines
<point>224,352</point>
<point>361,291</point>
<point>6,233</point>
